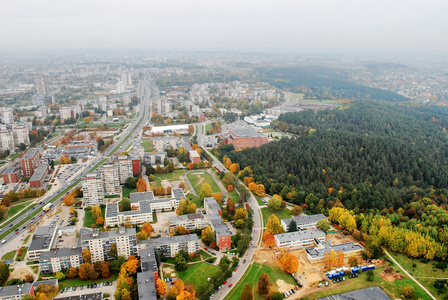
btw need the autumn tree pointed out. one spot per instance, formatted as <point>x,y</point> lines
<point>260,190</point>
<point>340,256</point>
<point>240,214</point>
<point>275,203</point>
<point>353,261</point>
<point>408,291</point>
<point>186,207</point>
<point>234,168</point>
<point>147,227</point>
<point>132,265</point>
<point>208,236</point>
<point>268,239</point>
<point>69,200</point>
<point>125,204</point>
<point>104,269</point>
<point>180,230</point>
<point>289,263</point>
<point>247,293</point>
<point>273,225</point>
<point>206,191</point>
<point>296,210</point>
<point>72,273</point>
<point>141,185</point>
<point>100,221</point>
<point>161,287</point>
<point>330,259</point>
<point>86,255</point>
<point>263,284</point>
<point>29,278</point>
<point>324,225</point>
<point>96,212</point>
<point>84,271</point>
<point>113,250</point>
<point>142,236</point>
<point>218,197</point>
<point>230,207</point>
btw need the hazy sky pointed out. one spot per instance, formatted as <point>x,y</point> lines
<point>402,25</point>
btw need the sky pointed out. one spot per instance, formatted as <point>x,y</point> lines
<point>261,25</point>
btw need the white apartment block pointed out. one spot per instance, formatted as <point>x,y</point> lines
<point>111,180</point>
<point>124,168</point>
<point>60,259</point>
<point>169,246</point>
<point>99,243</point>
<point>300,238</point>
<point>21,134</point>
<point>93,189</point>
<point>65,113</point>
<point>6,140</point>
<point>7,116</point>
<point>189,222</point>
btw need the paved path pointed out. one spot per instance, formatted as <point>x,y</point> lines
<point>409,275</point>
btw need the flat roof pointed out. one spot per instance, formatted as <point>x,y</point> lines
<point>174,239</point>
<point>370,293</point>
<point>42,238</point>
<point>186,217</point>
<point>137,197</point>
<point>39,173</point>
<point>240,129</point>
<point>325,247</point>
<point>146,286</point>
<point>60,252</point>
<point>215,218</point>
<point>305,219</point>
<point>21,289</point>
<point>92,175</point>
<point>300,235</point>
<point>30,153</point>
<point>178,193</point>
<point>91,296</point>
<point>93,234</point>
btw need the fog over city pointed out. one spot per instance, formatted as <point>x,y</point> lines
<point>403,26</point>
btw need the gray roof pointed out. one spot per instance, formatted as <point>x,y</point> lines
<point>111,210</point>
<point>30,153</point>
<point>300,235</point>
<point>186,217</point>
<point>305,219</point>
<point>178,193</point>
<point>136,197</point>
<point>77,150</point>
<point>144,208</point>
<point>146,286</point>
<point>60,252</point>
<point>215,218</point>
<point>324,247</point>
<point>108,234</point>
<point>240,129</point>
<point>39,173</point>
<point>174,239</point>
<point>21,289</point>
<point>53,282</point>
<point>11,170</point>
<point>91,296</point>
<point>92,175</point>
<point>370,293</point>
<point>42,238</point>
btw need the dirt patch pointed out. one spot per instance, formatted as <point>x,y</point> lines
<point>284,287</point>
<point>168,270</point>
<point>20,273</point>
<point>390,275</point>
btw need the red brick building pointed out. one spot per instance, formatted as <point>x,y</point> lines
<point>241,136</point>
<point>39,176</point>
<point>12,175</point>
<point>194,156</point>
<point>30,161</point>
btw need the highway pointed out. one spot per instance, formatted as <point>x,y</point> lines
<point>147,93</point>
<point>256,233</point>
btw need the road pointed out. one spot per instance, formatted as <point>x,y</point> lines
<point>409,275</point>
<point>256,233</point>
<point>147,93</point>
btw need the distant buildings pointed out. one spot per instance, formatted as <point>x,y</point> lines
<point>223,234</point>
<point>65,113</point>
<point>242,136</point>
<point>12,135</point>
<point>181,129</point>
<point>42,86</point>
<point>7,116</point>
<point>93,188</point>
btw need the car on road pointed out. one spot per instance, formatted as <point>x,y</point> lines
<point>244,261</point>
<point>225,282</point>
<point>230,285</point>
<point>236,269</point>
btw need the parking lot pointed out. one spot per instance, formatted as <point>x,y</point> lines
<point>86,289</point>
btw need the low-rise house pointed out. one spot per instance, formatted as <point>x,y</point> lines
<point>303,222</point>
<point>16,292</point>
<point>300,238</point>
<point>317,253</point>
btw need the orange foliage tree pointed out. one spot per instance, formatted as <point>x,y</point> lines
<point>132,265</point>
<point>230,187</point>
<point>147,227</point>
<point>289,263</point>
<point>141,185</point>
<point>268,239</point>
<point>69,200</point>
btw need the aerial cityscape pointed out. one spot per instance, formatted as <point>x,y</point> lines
<point>153,151</point>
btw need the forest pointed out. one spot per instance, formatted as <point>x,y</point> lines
<point>318,82</point>
<point>368,155</point>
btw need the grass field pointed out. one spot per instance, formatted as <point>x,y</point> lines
<point>147,144</point>
<point>173,176</point>
<point>420,269</point>
<point>195,200</point>
<point>13,156</point>
<point>16,208</point>
<point>78,282</point>
<point>26,239</point>
<point>126,191</point>
<point>89,220</point>
<point>198,180</point>
<point>35,269</point>
<point>251,277</point>
<point>281,214</point>
<point>204,255</point>
<point>22,257</point>
<point>259,201</point>
<point>207,128</point>
<point>393,289</point>
<point>197,274</point>
<point>9,255</point>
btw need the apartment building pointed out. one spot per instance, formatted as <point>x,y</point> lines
<point>93,189</point>
<point>111,180</point>
<point>99,242</point>
<point>60,259</point>
<point>20,134</point>
<point>189,222</point>
<point>194,156</point>
<point>16,292</point>
<point>30,161</point>
<point>12,174</point>
<point>303,222</point>
<point>147,278</point>
<point>6,140</point>
<point>127,167</point>
<point>44,239</point>
<point>169,246</point>
<point>142,207</point>
<point>302,238</point>
<point>65,113</point>
<point>7,116</point>
<point>223,234</point>
<point>39,176</point>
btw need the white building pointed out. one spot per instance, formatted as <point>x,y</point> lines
<point>302,238</point>
<point>65,113</point>
<point>21,134</point>
<point>124,168</point>
<point>7,116</point>
<point>6,140</point>
<point>93,189</point>
<point>111,180</point>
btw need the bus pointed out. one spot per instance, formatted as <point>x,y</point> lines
<point>47,207</point>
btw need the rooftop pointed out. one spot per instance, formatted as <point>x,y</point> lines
<point>324,247</point>
<point>137,197</point>
<point>240,129</point>
<point>178,193</point>
<point>39,173</point>
<point>146,286</point>
<point>91,296</point>
<point>21,289</point>
<point>305,219</point>
<point>30,153</point>
<point>92,175</point>
<point>300,235</point>
<point>370,293</point>
<point>42,238</point>
<point>60,252</point>
<point>174,239</point>
<point>215,218</point>
<point>186,217</point>
<point>92,234</point>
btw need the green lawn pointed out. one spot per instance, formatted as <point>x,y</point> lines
<point>421,269</point>
<point>393,289</point>
<point>78,282</point>
<point>16,208</point>
<point>198,180</point>
<point>26,239</point>
<point>173,176</point>
<point>112,196</point>
<point>281,214</point>
<point>195,200</point>
<point>126,191</point>
<point>207,128</point>
<point>35,269</point>
<point>89,220</point>
<point>197,274</point>
<point>234,195</point>
<point>429,284</point>
<point>251,277</point>
<point>13,156</point>
<point>261,203</point>
<point>204,255</point>
<point>22,257</point>
<point>9,255</point>
<point>147,144</point>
